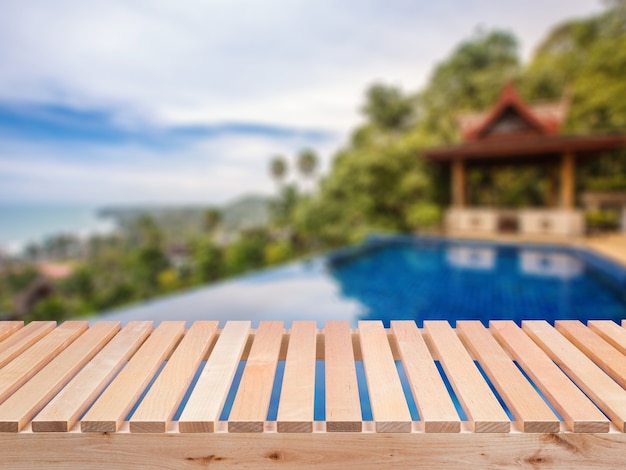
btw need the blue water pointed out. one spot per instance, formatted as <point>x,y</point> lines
<point>435,281</point>
<point>410,278</point>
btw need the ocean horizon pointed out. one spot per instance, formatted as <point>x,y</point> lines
<point>25,223</point>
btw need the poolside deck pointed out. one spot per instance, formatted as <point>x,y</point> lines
<point>66,393</point>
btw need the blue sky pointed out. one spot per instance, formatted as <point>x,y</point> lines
<point>154,101</point>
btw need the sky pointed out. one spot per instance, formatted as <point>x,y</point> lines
<point>186,101</point>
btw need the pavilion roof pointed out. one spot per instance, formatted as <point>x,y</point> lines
<point>537,145</point>
<point>512,129</point>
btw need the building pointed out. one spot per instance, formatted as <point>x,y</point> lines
<point>515,133</point>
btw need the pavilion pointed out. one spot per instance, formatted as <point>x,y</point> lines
<point>515,133</point>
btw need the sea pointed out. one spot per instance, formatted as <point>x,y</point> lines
<point>21,224</point>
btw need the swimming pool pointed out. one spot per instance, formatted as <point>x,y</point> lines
<point>417,278</point>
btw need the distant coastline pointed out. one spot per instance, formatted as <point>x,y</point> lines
<point>22,224</point>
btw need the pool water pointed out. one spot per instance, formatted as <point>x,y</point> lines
<point>461,281</point>
<point>413,278</point>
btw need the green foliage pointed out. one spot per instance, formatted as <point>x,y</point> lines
<point>424,215</point>
<point>387,108</point>
<point>607,173</point>
<point>586,58</point>
<point>283,206</point>
<point>20,278</point>
<point>169,280</point>
<point>278,252</point>
<point>470,79</point>
<point>80,283</point>
<point>208,262</point>
<point>212,218</point>
<point>602,220</point>
<point>52,308</point>
<point>247,252</point>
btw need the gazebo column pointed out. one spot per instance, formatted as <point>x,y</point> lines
<point>567,180</point>
<point>458,183</point>
<point>553,185</point>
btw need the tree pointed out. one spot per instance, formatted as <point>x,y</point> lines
<point>207,262</point>
<point>212,219</point>
<point>587,59</point>
<point>387,108</point>
<point>469,80</point>
<point>278,168</point>
<point>307,162</point>
<point>248,252</point>
<point>281,208</point>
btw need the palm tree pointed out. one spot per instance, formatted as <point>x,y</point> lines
<point>278,168</point>
<point>307,162</point>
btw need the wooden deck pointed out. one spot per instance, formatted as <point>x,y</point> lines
<point>108,396</point>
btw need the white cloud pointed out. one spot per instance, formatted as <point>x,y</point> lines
<point>290,63</point>
<point>295,63</point>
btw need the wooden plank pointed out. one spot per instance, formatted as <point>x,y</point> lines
<point>20,407</point>
<point>343,406</point>
<point>112,407</point>
<point>251,404</point>
<point>480,404</point>
<point>207,399</point>
<point>606,394</point>
<point>566,451</point>
<point>610,332</point>
<point>27,364</point>
<point>161,402</point>
<point>609,359</point>
<point>23,339</point>
<point>64,409</point>
<point>435,406</point>
<point>389,408</point>
<point>7,328</point>
<point>580,414</point>
<point>530,411</point>
<point>297,398</point>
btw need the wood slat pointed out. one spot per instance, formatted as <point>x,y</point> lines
<point>14,345</point>
<point>529,409</point>
<point>7,328</point>
<point>207,399</point>
<point>112,407</point>
<point>611,332</point>
<point>297,397</point>
<point>605,393</point>
<point>67,407</point>
<point>580,414</point>
<point>435,406</point>
<point>316,451</point>
<point>609,359</point>
<point>389,407</point>
<point>27,364</point>
<point>20,407</point>
<point>480,404</point>
<point>343,406</point>
<point>251,404</point>
<point>161,402</point>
